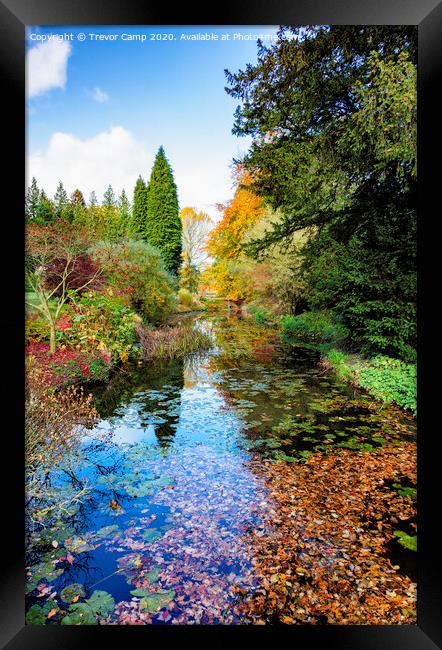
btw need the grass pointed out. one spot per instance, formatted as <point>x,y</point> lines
<point>171,342</point>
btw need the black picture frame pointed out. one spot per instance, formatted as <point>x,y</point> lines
<point>14,16</point>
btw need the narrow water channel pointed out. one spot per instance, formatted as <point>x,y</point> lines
<point>172,473</point>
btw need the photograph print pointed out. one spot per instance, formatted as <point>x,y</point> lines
<point>220,328</point>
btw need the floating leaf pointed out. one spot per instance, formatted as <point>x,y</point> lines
<point>101,602</point>
<point>150,534</point>
<point>107,531</point>
<point>154,602</point>
<point>79,614</point>
<point>69,593</point>
<point>153,575</point>
<point>407,541</point>
<point>35,615</point>
<point>79,545</point>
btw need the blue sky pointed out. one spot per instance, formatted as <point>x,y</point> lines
<point>97,110</point>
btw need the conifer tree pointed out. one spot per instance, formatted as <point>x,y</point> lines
<point>61,200</point>
<point>139,210</point>
<point>163,226</point>
<point>45,210</point>
<point>77,207</point>
<point>93,202</point>
<point>109,198</point>
<point>124,210</point>
<point>32,199</point>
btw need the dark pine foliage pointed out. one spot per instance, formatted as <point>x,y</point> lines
<point>332,112</point>
<point>163,225</point>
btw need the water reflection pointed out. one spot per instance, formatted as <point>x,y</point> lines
<point>142,402</point>
<point>172,489</point>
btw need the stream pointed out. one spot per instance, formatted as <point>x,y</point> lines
<point>172,479</point>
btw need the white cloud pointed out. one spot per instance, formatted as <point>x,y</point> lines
<point>115,157</point>
<point>112,156</point>
<point>99,95</point>
<point>46,66</point>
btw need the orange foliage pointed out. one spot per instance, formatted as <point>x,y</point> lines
<point>239,215</point>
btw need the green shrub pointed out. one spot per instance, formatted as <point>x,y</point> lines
<point>260,315</point>
<point>315,326</point>
<point>136,271</point>
<point>99,321</point>
<point>187,301</point>
<point>36,329</point>
<point>390,380</point>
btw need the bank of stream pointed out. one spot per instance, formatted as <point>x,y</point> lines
<point>203,481</point>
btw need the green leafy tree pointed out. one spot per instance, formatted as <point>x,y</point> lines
<point>332,113</point>
<point>136,270</point>
<point>163,225</point>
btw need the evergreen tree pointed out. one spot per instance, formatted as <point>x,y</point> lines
<point>331,111</point>
<point>77,207</point>
<point>109,200</point>
<point>32,200</point>
<point>93,202</point>
<point>163,226</point>
<point>139,210</point>
<point>61,200</point>
<point>45,211</point>
<point>124,210</point>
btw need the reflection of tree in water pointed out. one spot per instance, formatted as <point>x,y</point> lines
<point>161,382</point>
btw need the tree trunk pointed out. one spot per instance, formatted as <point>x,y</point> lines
<point>52,338</point>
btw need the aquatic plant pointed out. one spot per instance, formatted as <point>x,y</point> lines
<point>171,342</point>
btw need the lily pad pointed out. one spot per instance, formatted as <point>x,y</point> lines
<point>152,602</point>
<point>107,531</point>
<point>79,545</point>
<point>75,590</point>
<point>35,615</point>
<point>153,575</point>
<point>407,541</point>
<point>79,614</point>
<point>150,534</point>
<point>101,602</point>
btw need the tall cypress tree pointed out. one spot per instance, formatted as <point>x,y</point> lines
<point>139,210</point>
<point>163,225</point>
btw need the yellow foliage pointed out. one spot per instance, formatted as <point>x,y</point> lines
<point>229,279</point>
<point>239,215</point>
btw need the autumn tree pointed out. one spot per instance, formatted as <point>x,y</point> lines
<point>163,225</point>
<point>55,254</point>
<point>196,227</point>
<point>239,215</point>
